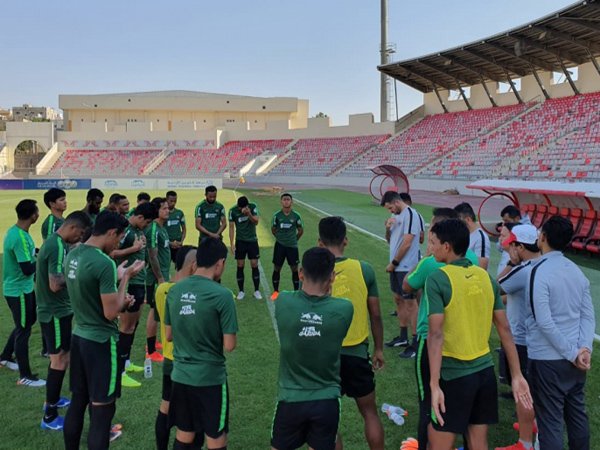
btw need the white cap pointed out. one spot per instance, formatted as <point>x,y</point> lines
<point>523,234</point>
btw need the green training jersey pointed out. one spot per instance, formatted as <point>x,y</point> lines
<point>158,238</point>
<point>51,261</point>
<point>439,292</point>
<point>210,215</point>
<point>51,225</point>
<point>417,278</point>
<point>200,311</point>
<point>128,239</point>
<point>286,227</point>
<point>18,248</point>
<point>90,273</point>
<point>245,230</point>
<point>311,330</point>
<point>175,224</point>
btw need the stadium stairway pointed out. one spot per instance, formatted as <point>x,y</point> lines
<point>289,150</point>
<point>158,159</point>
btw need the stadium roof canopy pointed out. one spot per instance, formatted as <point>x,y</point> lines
<point>566,38</point>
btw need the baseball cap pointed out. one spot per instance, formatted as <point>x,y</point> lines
<point>524,234</point>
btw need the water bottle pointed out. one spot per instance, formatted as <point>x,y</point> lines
<point>396,418</point>
<point>148,368</point>
<point>390,409</point>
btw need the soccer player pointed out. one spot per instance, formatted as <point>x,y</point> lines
<point>56,201</point>
<point>243,219</point>
<point>479,241</point>
<point>142,197</point>
<point>18,270</point>
<point>311,325</point>
<point>201,321</point>
<point>97,302</point>
<point>287,228</point>
<point>159,258</point>
<point>54,310</point>
<point>175,225</point>
<point>113,203</point>
<point>413,282</point>
<point>211,220</point>
<point>402,231</point>
<point>185,265</point>
<point>524,252</point>
<point>464,301</point>
<point>131,249</point>
<point>512,214</point>
<point>355,280</point>
<point>560,333</point>
<point>93,203</point>
<point>406,198</point>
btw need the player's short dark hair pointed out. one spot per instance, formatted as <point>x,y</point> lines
<point>406,198</point>
<point>210,188</point>
<point>143,196</point>
<point>465,210</point>
<point>533,248</point>
<point>171,194</point>
<point>512,211</point>
<point>509,225</point>
<point>286,194</point>
<point>115,198</point>
<point>53,194</point>
<point>108,220</point>
<point>210,251</point>
<point>26,208</point>
<point>79,219</point>
<point>390,197</point>
<point>453,232</point>
<point>559,232</point>
<point>93,194</point>
<point>182,254</point>
<point>317,264</point>
<point>242,202</point>
<point>332,231</point>
<point>157,202</point>
<point>148,210</point>
<point>444,213</point>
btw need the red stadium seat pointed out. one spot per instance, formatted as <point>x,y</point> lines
<point>593,243</point>
<point>585,231</point>
<point>539,215</point>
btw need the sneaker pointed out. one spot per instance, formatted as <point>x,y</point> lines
<point>158,345</point>
<point>132,368</point>
<point>56,425</point>
<point>115,432</point>
<point>274,296</point>
<point>9,364</point>
<point>396,342</point>
<point>127,381</point>
<point>517,446</point>
<point>31,381</point>
<point>394,313</point>
<point>63,402</point>
<point>155,357</point>
<point>534,429</point>
<point>240,295</point>
<point>409,352</point>
<point>258,295</point>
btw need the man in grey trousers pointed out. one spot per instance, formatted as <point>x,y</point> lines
<point>560,332</point>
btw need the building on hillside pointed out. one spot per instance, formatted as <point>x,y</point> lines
<point>32,113</point>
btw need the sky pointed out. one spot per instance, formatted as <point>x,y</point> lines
<point>326,51</point>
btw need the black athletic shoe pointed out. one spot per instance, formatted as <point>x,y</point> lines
<point>396,342</point>
<point>394,313</point>
<point>408,353</point>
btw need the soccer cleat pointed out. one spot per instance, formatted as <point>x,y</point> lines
<point>394,313</point>
<point>63,402</point>
<point>132,368</point>
<point>274,296</point>
<point>158,345</point>
<point>56,425</point>
<point>258,295</point>
<point>409,352</point>
<point>9,364</point>
<point>409,444</point>
<point>44,354</point>
<point>31,381</point>
<point>155,357</point>
<point>517,446</point>
<point>127,381</point>
<point>240,295</point>
<point>396,342</point>
<point>115,432</point>
<point>534,430</point>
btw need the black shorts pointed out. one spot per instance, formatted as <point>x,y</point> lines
<point>523,361</point>
<point>313,422</point>
<point>357,377</point>
<point>23,309</point>
<point>57,334</point>
<point>202,409</point>
<point>396,279</point>
<point>150,291</point>
<point>469,400</point>
<point>282,253</point>
<point>139,292</point>
<point>95,369</point>
<point>424,392</point>
<point>246,248</point>
<point>174,254</point>
<point>167,383</point>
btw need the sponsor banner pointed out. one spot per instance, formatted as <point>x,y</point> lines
<point>155,183</point>
<point>189,183</point>
<point>62,183</point>
<point>11,185</point>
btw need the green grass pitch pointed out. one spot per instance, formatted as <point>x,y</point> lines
<point>252,367</point>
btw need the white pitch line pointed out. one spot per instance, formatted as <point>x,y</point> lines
<point>270,304</point>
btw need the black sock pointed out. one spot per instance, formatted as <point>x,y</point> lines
<point>198,443</point>
<point>256,278</point>
<point>124,346</point>
<point>296,280</point>
<point>162,431</point>
<point>53,387</point>
<point>404,333</point>
<point>74,421</point>
<point>178,445</point>
<point>414,341</point>
<point>240,278</point>
<point>100,422</point>
<point>275,279</point>
<point>151,343</point>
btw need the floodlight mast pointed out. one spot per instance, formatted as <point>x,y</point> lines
<point>384,60</point>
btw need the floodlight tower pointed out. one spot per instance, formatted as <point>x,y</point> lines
<point>385,50</point>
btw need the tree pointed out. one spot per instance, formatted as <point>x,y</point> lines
<point>320,115</point>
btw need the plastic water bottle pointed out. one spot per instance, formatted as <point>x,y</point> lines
<point>148,368</point>
<point>396,418</point>
<point>395,413</point>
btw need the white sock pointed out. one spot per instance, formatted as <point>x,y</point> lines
<point>527,445</point>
